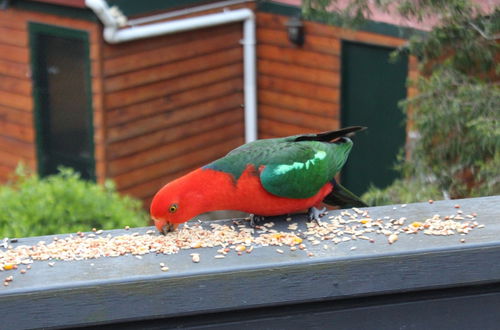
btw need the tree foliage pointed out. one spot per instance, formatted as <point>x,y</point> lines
<point>63,203</point>
<point>457,110</point>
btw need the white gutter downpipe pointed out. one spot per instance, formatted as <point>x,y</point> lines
<point>113,20</point>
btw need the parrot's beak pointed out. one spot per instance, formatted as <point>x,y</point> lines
<point>168,227</point>
<point>165,227</point>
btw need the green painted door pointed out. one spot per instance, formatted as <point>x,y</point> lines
<point>372,86</point>
<point>61,75</point>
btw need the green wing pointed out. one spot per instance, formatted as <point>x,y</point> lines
<point>309,167</point>
<point>293,167</point>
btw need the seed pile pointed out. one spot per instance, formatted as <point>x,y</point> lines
<point>351,225</point>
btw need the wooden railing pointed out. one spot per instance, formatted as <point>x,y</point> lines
<point>418,282</point>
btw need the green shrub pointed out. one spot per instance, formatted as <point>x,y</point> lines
<point>402,191</point>
<point>63,203</point>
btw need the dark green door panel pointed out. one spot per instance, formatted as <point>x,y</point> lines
<point>371,89</point>
<point>61,74</point>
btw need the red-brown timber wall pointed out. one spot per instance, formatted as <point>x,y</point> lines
<point>164,106</point>
<point>173,103</point>
<point>17,129</point>
<point>299,87</point>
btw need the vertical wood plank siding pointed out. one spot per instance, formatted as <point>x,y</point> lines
<point>299,87</point>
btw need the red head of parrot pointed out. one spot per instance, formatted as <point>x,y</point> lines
<point>177,202</point>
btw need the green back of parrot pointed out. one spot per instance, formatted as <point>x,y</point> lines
<point>293,169</point>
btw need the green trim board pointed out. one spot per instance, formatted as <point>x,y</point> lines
<point>134,7</point>
<point>59,10</point>
<point>127,7</point>
<point>370,26</point>
<point>53,103</point>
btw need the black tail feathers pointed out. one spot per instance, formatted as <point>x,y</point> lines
<point>331,135</point>
<point>342,197</point>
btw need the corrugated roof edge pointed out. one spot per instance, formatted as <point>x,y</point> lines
<point>371,26</point>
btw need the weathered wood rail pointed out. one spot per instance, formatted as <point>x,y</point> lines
<point>420,282</point>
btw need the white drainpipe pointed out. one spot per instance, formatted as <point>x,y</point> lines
<point>113,20</point>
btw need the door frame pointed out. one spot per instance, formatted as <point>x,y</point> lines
<point>35,29</point>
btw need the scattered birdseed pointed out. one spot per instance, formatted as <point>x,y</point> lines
<point>164,269</point>
<point>462,240</point>
<point>219,256</point>
<point>196,245</point>
<point>349,225</point>
<point>358,211</point>
<point>51,264</point>
<point>353,248</point>
<point>127,227</point>
<point>195,257</point>
<point>8,266</point>
<point>280,251</point>
<point>392,238</point>
<point>23,271</point>
<point>240,248</point>
<point>431,201</point>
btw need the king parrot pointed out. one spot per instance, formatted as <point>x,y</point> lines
<point>265,177</point>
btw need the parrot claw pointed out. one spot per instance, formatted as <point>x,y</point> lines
<point>316,214</point>
<point>255,219</point>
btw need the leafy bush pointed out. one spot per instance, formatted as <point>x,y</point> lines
<point>402,191</point>
<point>459,145</point>
<point>63,203</point>
<point>455,114</point>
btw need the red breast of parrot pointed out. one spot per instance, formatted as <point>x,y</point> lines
<point>264,177</point>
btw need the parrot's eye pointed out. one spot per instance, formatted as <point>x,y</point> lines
<point>172,208</point>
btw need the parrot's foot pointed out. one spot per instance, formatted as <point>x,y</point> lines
<point>316,214</point>
<point>255,219</point>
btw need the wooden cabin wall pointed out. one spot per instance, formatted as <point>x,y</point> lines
<point>299,87</point>
<point>173,103</point>
<point>17,129</point>
<point>164,106</point>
